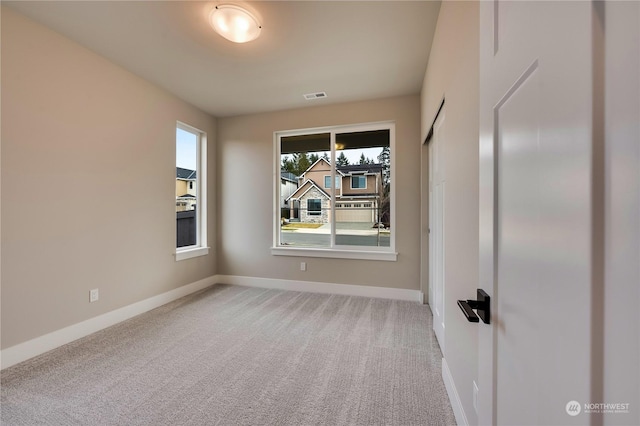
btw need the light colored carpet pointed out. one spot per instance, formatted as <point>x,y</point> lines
<point>233,355</point>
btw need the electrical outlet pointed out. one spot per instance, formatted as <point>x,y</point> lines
<point>475,396</point>
<point>94,295</point>
<point>303,266</point>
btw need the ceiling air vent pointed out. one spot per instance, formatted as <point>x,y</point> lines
<point>317,95</point>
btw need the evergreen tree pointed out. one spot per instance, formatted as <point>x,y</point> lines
<point>313,158</point>
<point>288,165</point>
<point>385,200</point>
<point>363,159</point>
<point>302,162</point>
<point>342,160</point>
<point>385,159</point>
<point>325,155</point>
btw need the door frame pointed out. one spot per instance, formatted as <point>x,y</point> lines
<point>425,260</point>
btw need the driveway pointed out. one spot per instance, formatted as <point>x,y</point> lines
<point>347,233</point>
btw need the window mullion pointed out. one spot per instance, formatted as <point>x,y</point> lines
<point>198,189</point>
<point>333,189</point>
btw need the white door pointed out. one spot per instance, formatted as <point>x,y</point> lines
<point>436,228</point>
<point>535,201</point>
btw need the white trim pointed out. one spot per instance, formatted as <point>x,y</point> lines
<point>34,347</point>
<point>314,164</point>
<point>39,345</point>
<point>190,252</point>
<point>335,253</point>
<point>314,212</point>
<point>201,186</point>
<point>333,130</point>
<point>333,194</point>
<point>359,175</point>
<point>452,392</point>
<point>313,184</point>
<point>325,288</point>
<point>339,180</point>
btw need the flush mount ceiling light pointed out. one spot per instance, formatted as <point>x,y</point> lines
<point>234,23</point>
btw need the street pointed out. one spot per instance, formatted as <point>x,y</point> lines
<point>300,238</point>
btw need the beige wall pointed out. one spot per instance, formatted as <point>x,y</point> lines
<point>70,116</point>
<point>371,186</point>
<point>620,297</point>
<point>245,233</point>
<point>453,74</point>
<point>181,187</point>
<point>317,174</point>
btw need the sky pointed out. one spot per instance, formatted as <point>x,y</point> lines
<point>186,144</point>
<point>353,155</point>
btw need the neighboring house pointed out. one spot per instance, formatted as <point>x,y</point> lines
<point>357,197</point>
<point>288,185</point>
<point>185,189</point>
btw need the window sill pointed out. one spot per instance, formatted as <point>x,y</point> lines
<point>335,253</point>
<point>189,253</point>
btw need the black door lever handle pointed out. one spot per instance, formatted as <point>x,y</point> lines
<point>467,310</point>
<point>482,305</point>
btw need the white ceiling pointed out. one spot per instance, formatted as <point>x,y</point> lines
<point>352,50</point>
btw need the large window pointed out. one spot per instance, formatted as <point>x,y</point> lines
<point>352,218</point>
<point>191,207</point>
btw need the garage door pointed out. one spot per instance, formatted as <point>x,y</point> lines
<point>354,214</point>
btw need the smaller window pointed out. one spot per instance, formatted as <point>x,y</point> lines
<point>327,182</point>
<point>191,213</point>
<point>358,182</point>
<point>314,206</point>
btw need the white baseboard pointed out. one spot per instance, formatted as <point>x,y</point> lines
<point>454,398</point>
<point>317,287</point>
<point>39,345</point>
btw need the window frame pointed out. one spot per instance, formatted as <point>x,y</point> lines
<point>337,182</point>
<point>364,177</point>
<point>336,251</point>
<point>200,248</point>
<point>314,212</point>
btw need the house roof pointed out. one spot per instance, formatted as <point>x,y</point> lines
<point>288,176</point>
<point>360,168</point>
<point>304,188</point>
<point>350,169</point>
<point>185,174</point>
<point>321,159</point>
